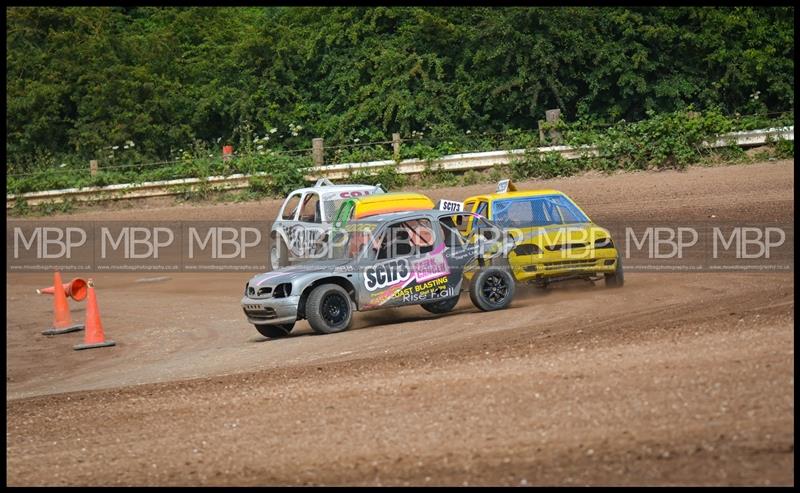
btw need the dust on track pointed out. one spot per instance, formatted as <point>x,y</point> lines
<point>675,378</point>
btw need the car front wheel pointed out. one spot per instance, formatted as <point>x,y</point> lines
<point>329,309</point>
<point>617,278</point>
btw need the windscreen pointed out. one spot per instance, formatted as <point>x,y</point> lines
<point>331,206</point>
<point>545,210</point>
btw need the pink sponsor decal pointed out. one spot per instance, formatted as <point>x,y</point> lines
<point>432,266</point>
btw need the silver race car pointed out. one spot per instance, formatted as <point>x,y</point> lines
<point>405,258</point>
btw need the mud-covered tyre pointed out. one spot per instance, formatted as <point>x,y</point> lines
<point>329,309</point>
<point>441,306</point>
<point>278,254</point>
<point>617,279</point>
<point>492,289</point>
<point>274,331</point>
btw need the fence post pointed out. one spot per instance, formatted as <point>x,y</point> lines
<point>396,146</point>
<point>227,153</point>
<point>93,167</point>
<point>553,117</point>
<point>317,151</point>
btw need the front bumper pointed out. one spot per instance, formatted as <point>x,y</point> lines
<point>271,311</point>
<point>542,267</point>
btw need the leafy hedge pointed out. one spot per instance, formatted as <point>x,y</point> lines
<point>284,173</point>
<point>142,84</point>
<point>670,140</point>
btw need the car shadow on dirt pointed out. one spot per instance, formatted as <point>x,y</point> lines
<point>384,320</point>
<point>388,317</point>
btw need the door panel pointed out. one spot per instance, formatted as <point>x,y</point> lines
<point>409,267</point>
<point>307,230</point>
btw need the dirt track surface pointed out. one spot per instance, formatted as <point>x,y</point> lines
<point>674,379</point>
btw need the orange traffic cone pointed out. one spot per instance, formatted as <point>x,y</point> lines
<point>94,336</point>
<point>75,289</point>
<point>62,320</point>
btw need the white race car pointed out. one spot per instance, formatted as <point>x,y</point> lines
<point>306,216</point>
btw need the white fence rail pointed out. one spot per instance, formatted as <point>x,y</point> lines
<point>454,162</point>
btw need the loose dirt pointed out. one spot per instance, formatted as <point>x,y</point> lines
<point>677,378</point>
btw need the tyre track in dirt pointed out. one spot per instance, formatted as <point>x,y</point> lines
<point>217,341</point>
<point>673,379</point>
<point>525,402</point>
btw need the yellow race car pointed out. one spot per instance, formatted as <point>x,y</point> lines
<point>554,239</point>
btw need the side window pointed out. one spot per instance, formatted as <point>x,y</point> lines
<point>395,243</point>
<point>290,207</point>
<point>481,228</point>
<point>421,235</point>
<point>465,223</point>
<point>310,212</point>
<point>482,209</point>
<point>405,238</point>
<point>451,229</point>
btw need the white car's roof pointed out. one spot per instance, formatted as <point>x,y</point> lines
<point>327,189</point>
<point>335,188</point>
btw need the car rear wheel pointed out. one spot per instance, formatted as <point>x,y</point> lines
<point>329,309</point>
<point>441,306</point>
<point>274,331</point>
<point>617,279</point>
<point>492,289</point>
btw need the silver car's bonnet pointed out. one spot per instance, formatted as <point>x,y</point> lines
<point>275,277</point>
<point>299,276</point>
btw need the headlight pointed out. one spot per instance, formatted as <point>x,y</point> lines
<point>527,249</point>
<point>282,290</point>
<point>603,243</point>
